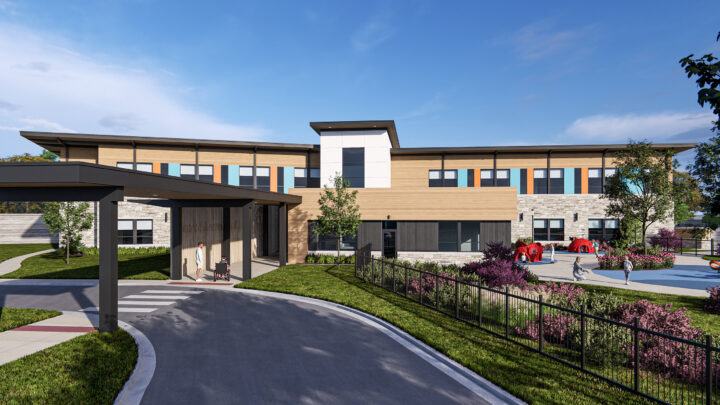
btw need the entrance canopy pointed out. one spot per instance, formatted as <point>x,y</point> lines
<point>77,181</point>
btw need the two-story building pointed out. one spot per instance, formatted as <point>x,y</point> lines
<point>439,203</point>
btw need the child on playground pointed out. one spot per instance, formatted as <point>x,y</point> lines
<point>596,246</point>
<point>628,267</point>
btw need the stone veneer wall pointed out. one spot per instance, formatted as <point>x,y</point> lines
<point>131,210</point>
<point>443,258</point>
<point>564,206</point>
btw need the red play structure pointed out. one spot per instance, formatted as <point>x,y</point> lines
<point>533,252</point>
<point>581,246</point>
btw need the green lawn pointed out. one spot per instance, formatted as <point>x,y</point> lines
<point>702,319</point>
<point>523,373</point>
<point>90,369</point>
<point>11,318</point>
<point>10,251</point>
<point>130,266</point>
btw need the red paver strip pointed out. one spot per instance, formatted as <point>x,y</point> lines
<point>196,283</point>
<point>50,328</point>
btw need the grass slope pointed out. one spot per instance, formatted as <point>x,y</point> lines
<point>132,266</point>
<point>525,374</point>
<point>710,323</point>
<point>11,318</point>
<point>90,369</point>
<point>15,250</point>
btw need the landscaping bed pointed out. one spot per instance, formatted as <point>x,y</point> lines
<point>15,250</point>
<point>11,318</point>
<point>90,369</point>
<point>131,265</point>
<point>525,374</point>
<point>654,260</point>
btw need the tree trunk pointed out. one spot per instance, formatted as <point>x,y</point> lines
<point>644,233</point>
<point>67,248</point>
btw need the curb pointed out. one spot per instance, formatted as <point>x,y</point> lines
<point>481,387</point>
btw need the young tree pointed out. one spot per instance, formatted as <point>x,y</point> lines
<point>706,167</point>
<point>68,220</point>
<point>339,213</point>
<point>641,189</point>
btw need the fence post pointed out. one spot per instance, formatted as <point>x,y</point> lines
<point>457,299</point>
<point>479,306</point>
<point>583,335</point>
<point>422,294</point>
<point>356,260</point>
<point>437,292</point>
<point>406,281</point>
<point>708,369</point>
<point>507,313</point>
<point>636,355</point>
<point>540,326</point>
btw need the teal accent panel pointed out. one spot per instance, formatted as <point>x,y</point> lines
<point>569,176</point>
<point>462,178</point>
<point>288,178</point>
<point>174,169</point>
<point>234,175</point>
<point>515,179</point>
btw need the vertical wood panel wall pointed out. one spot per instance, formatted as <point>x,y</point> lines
<point>201,225</point>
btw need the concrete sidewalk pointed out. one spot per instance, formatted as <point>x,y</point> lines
<point>28,339</point>
<point>14,263</point>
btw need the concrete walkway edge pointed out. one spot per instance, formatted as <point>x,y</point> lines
<point>464,376</point>
<point>14,263</point>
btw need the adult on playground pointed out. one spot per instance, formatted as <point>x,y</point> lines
<point>578,270</point>
<point>628,267</point>
<point>199,261</point>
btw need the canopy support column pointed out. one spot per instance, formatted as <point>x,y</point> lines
<point>176,242</point>
<point>282,234</point>
<point>247,225</point>
<point>108,264</point>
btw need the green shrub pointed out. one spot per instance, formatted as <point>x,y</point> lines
<point>126,251</point>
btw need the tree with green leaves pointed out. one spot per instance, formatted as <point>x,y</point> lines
<point>68,220</point>
<point>706,167</point>
<point>686,195</point>
<point>641,189</point>
<point>339,212</point>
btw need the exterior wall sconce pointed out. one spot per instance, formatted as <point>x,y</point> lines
<point>520,218</point>
<point>166,217</point>
<point>575,217</point>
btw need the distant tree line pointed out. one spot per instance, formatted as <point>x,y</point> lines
<point>25,207</point>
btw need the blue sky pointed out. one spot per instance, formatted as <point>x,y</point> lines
<point>448,73</point>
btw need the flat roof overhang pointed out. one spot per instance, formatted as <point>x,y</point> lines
<point>677,147</point>
<point>388,125</point>
<point>69,175</point>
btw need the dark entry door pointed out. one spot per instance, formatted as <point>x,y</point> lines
<point>389,249</point>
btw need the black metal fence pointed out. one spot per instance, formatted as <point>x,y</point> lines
<point>686,246</point>
<point>655,365</point>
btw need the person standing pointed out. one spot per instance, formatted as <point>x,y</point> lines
<point>199,261</point>
<point>596,248</point>
<point>628,267</point>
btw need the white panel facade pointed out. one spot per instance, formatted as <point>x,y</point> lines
<point>377,155</point>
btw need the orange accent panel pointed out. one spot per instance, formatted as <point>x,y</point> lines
<point>273,178</point>
<point>584,180</point>
<point>156,168</point>
<point>530,187</point>
<point>476,178</point>
<point>217,173</point>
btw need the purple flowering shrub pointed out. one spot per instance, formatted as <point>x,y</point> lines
<point>556,328</point>
<point>559,293</point>
<point>497,269</point>
<point>667,239</point>
<point>712,304</point>
<point>614,260</point>
<point>428,283</point>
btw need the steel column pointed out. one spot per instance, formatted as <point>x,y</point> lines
<point>225,248</point>
<point>108,285</point>
<point>176,243</point>
<point>282,235</point>
<point>247,212</point>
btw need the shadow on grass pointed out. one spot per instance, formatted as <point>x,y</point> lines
<point>50,266</point>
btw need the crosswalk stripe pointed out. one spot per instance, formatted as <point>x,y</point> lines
<point>172,292</point>
<point>121,309</point>
<point>158,297</point>
<point>146,302</point>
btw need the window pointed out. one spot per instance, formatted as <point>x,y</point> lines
<point>469,236</point>
<point>557,182</point>
<point>603,229</point>
<point>503,178</point>
<point>187,171</point>
<point>205,172</point>
<point>447,236</point>
<point>549,229</point>
<point>353,163</point>
<point>124,165</point>
<point>301,180</point>
<point>470,178</point>
<point>486,178</point>
<point>314,180</point>
<point>540,181</point>
<point>434,178</point>
<point>141,167</point>
<point>263,178</point>
<point>594,181</point>
<point>281,179</point>
<point>135,231</point>
<point>450,178</point>
<point>246,176</point>
<point>329,242</point>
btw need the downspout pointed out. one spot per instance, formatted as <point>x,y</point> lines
<point>548,172</point>
<point>603,175</point>
<point>494,169</point>
<point>255,167</point>
<point>197,161</point>
<point>442,169</point>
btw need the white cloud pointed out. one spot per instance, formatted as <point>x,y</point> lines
<point>46,85</point>
<point>372,34</point>
<point>537,40</point>
<point>654,127</point>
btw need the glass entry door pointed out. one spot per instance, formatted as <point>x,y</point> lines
<point>389,243</point>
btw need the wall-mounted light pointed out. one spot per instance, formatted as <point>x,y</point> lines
<point>575,217</point>
<point>166,217</point>
<point>388,217</point>
<point>520,217</point>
